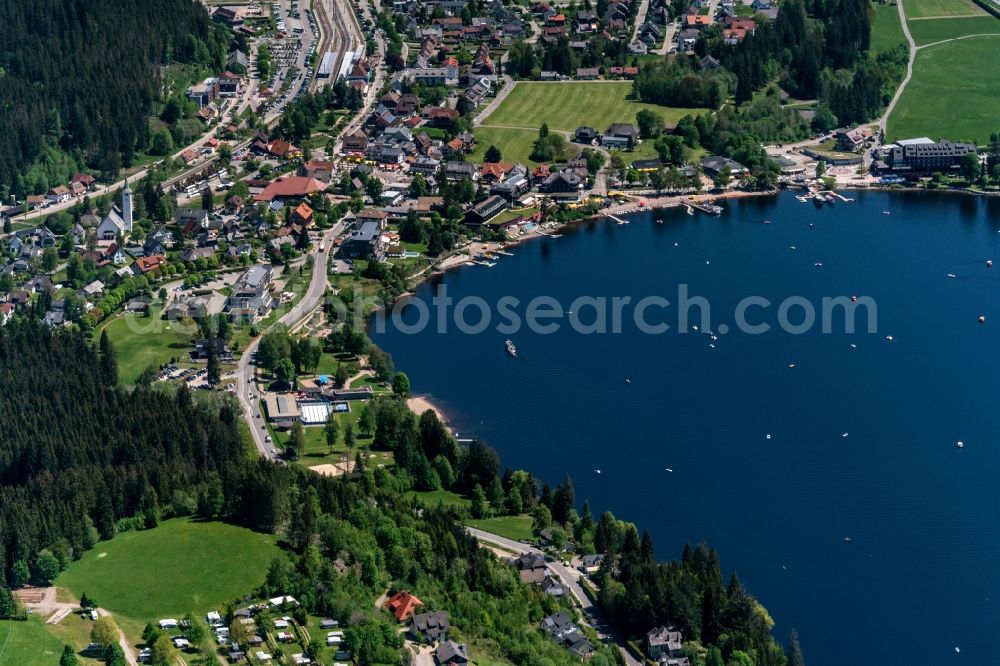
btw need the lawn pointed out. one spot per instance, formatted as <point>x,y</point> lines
<point>921,9</point>
<point>446,497</point>
<point>141,341</point>
<point>27,643</point>
<point>887,33</point>
<point>517,528</point>
<point>937,103</point>
<point>573,104</point>
<point>514,144</point>
<point>931,31</point>
<point>177,567</point>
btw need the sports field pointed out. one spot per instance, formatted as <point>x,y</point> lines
<point>177,567</point>
<point>571,104</point>
<point>938,102</point>
<point>917,9</point>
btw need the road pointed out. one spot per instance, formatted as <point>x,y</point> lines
<point>245,372</point>
<point>570,578</point>
<point>640,18</point>
<point>909,67</point>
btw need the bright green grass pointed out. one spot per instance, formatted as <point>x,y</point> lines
<point>177,567</point>
<point>27,643</point>
<point>569,105</point>
<point>931,8</point>
<point>887,33</point>
<point>446,497</point>
<point>517,528</point>
<point>74,630</point>
<point>938,104</point>
<point>514,144</point>
<point>931,31</point>
<point>141,341</point>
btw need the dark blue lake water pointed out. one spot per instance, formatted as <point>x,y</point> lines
<point>919,576</point>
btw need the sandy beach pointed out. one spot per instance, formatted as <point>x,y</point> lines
<point>420,404</point>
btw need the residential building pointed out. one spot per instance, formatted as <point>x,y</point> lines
<point>430,627</point>
<point>250,297</point>
<point>402,605</point>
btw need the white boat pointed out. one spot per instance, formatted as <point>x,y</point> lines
<point>511,349</point>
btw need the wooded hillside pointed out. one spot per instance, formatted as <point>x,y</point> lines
<point>80,78</point>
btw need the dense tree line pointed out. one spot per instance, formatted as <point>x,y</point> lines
<point>816,49</point>
<point>81,77</point>
<point>678,83</point>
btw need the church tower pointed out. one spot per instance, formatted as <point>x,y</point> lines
<point>127,208</point>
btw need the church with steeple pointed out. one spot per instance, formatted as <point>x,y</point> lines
<point>118,222</point>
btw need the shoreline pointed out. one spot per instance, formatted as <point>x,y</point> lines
<point>419,404</point>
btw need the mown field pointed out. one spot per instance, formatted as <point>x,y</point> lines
<point>939,103</point>
<point>573,104</point>
<point>177,567</point>
<point>937,30</point>
<point>936,8</point>
<point>23,643</point>
<point>514,144</point>
<point>141,341</point>
<point>887,33</point>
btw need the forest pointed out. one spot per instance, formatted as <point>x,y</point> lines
<point>82,82</point>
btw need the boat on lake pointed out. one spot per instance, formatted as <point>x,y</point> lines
<point>511,349</point>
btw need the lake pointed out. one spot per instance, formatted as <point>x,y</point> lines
<point>918,576</point>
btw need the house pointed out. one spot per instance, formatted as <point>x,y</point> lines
<point>302,215</point>
<point>250,297</point>
<point>430,627</point>
<point>355,142</point>
<point>621,136</point>
<point>365,241</point>
<point>585,135</point>
<point>58,194</point>
<point>450,653</point>
<point>485,210</point>
<point>402,605</point>
<point>588,73</point>
<point>664,644</point>
<point>95,288</point>
<point>318,169</point>
<point>6,312</point>
<point>590,564</point>
<point>698,21</point>
<point>852,140</point>
<point>191,218</point>
<point>196,253</point>
<point>562,181</point>
<point>460,171</point>
<point>714,164</point>
<point>552,587</point>
<point>709,63</point>
<point>686,39</point>
<point>145,265</point>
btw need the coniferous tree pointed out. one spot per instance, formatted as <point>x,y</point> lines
<point>109,362</point>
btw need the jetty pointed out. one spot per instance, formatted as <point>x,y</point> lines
<point>705,207</point>
<point>616,218</point>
